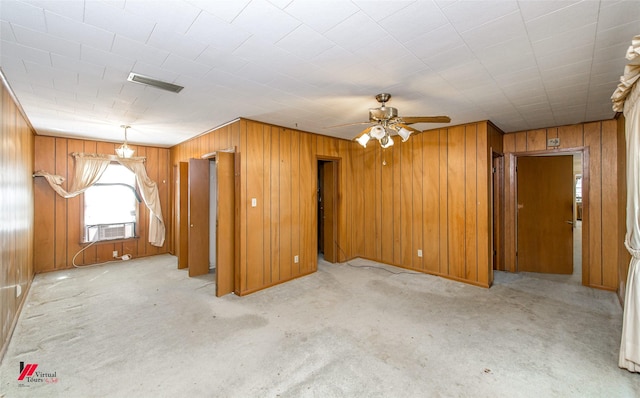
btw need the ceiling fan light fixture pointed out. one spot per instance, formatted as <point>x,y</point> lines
<point>377,132</point>
<point>363,139</point>
<point>124,151</point>
<point>404,133</point>
<point>386,141</point>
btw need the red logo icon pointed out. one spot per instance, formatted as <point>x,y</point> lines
<point>27,371</point>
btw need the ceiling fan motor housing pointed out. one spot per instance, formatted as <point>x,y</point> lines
<point>383,113</point>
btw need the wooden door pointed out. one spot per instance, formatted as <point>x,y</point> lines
<point>225,224</point>
<point>183,214</point>
<point>545,214</point>
<point>329,203</point>
<point>198,217</point>
<point>498,212</point>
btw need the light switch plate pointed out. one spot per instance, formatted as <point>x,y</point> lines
<point>254,202</point>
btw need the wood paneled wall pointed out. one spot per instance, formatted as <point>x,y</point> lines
<point>431,194</point>
<point>278,167</point>
<point>601,175</point>
<point>58,232</point>
<point>16,211</point>
<point>223,138</point>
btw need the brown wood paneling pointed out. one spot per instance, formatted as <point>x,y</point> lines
<point>356,155</point>
<point>255,160</point>
<point>406,203</point>
<point>285,202</point>
<point>592,139</point>
<point>609,205</point>
<point>296,226</point>
<point>388,209</point>
<point>396,195</point>
<point>308,204</point>
<point>483,210</point>
<point>241,206</point>
<point>537,140</point>
<point>16,206</point>
<point>510,212</point>
<point>456,189</point>
<point>471,234</point>
<point>521,141</point>
<point>431,201</point>
<point>271,178</point>
<point>443,200</point>
<point>416,205</point>
<point>60,210</point>
<point>509,143</point>
<point>44,210</point>
<point>571,136</point>
<point>369,202</point>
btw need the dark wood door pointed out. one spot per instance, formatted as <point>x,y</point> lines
<point>328,214</point>
<point>545,214</point>
<point>225,224</point>
<point>198,217</point>
<point>182,209</point>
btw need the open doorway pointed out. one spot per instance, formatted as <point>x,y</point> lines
<point>211,219</point>
<point>327,209</point>
<point>548,214</point>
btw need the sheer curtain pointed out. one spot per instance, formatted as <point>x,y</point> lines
<point>626,99</point>
<point>89,168</point>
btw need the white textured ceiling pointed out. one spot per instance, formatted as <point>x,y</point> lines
<point>310,64</point>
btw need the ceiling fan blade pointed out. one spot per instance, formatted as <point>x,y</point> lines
<point>347,124</point>
<point>425,119</point>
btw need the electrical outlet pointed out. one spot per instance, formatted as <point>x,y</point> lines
<point>419,253</point>
<point>296,259</point>
<point>115,254</point>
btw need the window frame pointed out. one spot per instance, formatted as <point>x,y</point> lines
<point>137,197</point>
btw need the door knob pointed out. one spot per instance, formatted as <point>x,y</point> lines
<point>191,225</point>
<point>568,222</point>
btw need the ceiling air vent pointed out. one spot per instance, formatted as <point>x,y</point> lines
<point>136,78</point>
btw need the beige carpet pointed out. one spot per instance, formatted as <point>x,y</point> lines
<point>142,328</point>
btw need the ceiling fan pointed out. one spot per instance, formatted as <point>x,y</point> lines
<point>385,122</point>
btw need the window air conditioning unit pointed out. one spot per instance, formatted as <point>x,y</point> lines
<point>102,232</point>
<point>107,232</point>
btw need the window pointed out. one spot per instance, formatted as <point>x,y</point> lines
<point>111,206</point>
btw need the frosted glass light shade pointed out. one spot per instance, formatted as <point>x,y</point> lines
<point>124,151</point>
<point>377,132</point>
<point>404,133</point>
<point>363,139</point>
